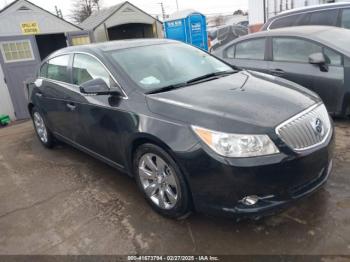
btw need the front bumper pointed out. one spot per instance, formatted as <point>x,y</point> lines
<point>218,185</point>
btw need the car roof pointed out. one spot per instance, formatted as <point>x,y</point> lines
<point>311,8</point>
<point>113,45</point>
<point>318,33</point>
<point>302,31</point>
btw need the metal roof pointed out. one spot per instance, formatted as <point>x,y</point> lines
<point>99,17</point>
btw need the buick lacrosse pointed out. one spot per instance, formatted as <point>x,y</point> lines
<point>197,134</point>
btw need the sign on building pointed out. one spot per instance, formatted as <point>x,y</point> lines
<point>30,28</point>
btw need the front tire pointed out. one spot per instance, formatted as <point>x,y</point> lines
<point>161,181</point>
<point>43,133</point>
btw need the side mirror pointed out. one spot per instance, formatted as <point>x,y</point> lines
<point>319,59</point>
<point>97,87</point>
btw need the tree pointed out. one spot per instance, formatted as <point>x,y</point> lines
<point>82,9</point>
<point>238,12</point>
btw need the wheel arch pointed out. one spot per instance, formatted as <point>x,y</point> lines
<point>140,140</point>
<point>30,108</point>
<point>346,105</point>
<point>144,138</point>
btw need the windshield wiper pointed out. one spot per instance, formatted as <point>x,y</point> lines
<point>167,88</point>
<point>210,75</point>
<point>189,82</point>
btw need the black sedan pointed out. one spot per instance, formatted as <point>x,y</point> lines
<point>316,57</point>
<point>194,132</point>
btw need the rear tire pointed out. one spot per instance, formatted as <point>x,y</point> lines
<point>45,136</point>
<point>161,181</point>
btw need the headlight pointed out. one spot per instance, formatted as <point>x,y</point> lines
<point>236,145</point>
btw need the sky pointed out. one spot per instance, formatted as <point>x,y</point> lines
<point>151,6</point>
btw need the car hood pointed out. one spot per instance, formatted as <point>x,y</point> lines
<point>246,102</point>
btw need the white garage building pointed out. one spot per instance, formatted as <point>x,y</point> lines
<point>122,21</point>
<point>28,34</point>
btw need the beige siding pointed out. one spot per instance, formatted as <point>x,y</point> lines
<point>100,34</point>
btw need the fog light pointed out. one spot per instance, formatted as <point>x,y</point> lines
<point>250,200</point>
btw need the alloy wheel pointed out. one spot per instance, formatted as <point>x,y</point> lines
<point>158,181</point>
<point>40,127</point>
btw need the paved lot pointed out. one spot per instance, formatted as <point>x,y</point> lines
<point>62,201</point>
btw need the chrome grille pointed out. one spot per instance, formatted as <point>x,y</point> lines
<point>307,129</point>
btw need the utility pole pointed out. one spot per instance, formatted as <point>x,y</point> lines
<point>177,5</point>
<point>264,7</point>
<point>163,10</point>
<point>58,12</point>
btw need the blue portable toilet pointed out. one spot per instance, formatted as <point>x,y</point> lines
<point>187,26</point>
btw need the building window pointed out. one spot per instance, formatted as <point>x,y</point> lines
<point>80,40</point>
<point>17,51</point>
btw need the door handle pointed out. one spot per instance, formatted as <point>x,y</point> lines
<point>276,72</point>
<point>71,106</point>
<point>38,94</point>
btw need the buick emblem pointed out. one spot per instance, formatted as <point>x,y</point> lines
<point>317,125</point>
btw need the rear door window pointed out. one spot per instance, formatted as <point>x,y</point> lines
<point>328,17</point>
<point>251,49</point>
<point>345,18</point>
<point>57,68</point>
<point>286,49</point>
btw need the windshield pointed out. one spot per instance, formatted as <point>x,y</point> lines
<point>158,66</point>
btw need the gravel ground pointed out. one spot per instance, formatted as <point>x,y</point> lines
<point>62,201</point>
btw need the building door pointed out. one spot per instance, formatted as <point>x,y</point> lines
<point>19,58</point>
<point>198,35</point>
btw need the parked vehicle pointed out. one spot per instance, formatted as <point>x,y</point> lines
<point>316,57</point>
<point>337,14</point>
<point>194,132</point>
<point>225,34</point>
<point>244,23</point>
